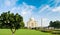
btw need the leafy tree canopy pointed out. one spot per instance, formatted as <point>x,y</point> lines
<point>55,24</point>
<point>11,21</point>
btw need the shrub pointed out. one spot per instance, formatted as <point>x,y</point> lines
<point>46,30</point>
<point>56,32</point>
<point>36,28</point>
<point>25,28</point>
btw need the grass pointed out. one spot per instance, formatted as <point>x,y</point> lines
<point>22,32</point>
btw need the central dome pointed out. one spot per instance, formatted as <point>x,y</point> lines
<point>32,18</point>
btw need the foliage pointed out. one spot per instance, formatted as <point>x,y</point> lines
<point>46,30</point>
<point>55,32</point>
<point>22,24</point>
<point>55,24</point>
<point>11,21</point>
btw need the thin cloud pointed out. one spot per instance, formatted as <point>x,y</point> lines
<point>10,2</point>
<point>43,8</point>
<point>24,9</point>
<point>56,9</point>
<point>7,3</point>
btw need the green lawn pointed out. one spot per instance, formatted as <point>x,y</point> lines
<point>22,32</point>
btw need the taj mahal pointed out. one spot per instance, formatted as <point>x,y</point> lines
<point>32,23</point>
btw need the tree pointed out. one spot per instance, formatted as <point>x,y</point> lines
<point>50,24</point>
<point>11,21</point>
<point>22,24</point>
<point>55,24</point>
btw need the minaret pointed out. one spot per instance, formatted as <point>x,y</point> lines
<point>41,22</point>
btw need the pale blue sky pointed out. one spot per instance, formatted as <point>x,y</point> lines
<point>46,9</point>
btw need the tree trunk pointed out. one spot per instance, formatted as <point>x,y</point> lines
<point>13,31</point>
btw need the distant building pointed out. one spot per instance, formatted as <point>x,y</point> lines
<point>31,23</point>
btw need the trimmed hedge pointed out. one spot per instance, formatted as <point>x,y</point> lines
<point>56,32</point>
<point>46,30</point>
